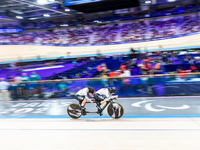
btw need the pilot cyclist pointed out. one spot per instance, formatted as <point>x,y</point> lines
<point>84,95</point>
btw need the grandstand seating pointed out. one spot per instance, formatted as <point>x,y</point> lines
<point>106,33</point>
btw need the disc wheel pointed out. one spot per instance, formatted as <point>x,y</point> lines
<point>74,111</point>
<point>115,110</point>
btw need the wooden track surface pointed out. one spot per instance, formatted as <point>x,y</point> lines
<point>98,134</point>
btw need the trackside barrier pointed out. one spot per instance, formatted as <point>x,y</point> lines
<point>129,86</point>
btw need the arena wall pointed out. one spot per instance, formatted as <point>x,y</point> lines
<point>26,52</point>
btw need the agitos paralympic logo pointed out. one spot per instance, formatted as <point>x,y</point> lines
<point>149,107</point>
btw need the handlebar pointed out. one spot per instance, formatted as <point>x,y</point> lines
<point>113,98</point>
<point>108,100</point>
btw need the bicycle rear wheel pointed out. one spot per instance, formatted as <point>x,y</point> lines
<point>115,110</point>
<point>74,111</point>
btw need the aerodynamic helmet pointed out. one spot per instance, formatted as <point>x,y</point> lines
<point>112,89</point>
<point>91,90</point>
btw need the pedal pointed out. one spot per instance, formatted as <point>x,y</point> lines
<point>101,114</point>
<point>83,108</point>
<point>84,113</point>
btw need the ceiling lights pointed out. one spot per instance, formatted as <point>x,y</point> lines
<point>67,9</point>
<point>46,15</point>
<point>42,2</point>
<point>19,17</point>
<point>32,18</point>
<point>148,2</point>
<point>64,25</point>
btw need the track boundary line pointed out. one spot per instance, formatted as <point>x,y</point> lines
<point>101,117</point>
<point>106,129</point>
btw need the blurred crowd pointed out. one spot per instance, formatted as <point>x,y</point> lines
<point>163,28</point>
<point>133,31</point>
<point>125,65</point>
<point>106,33</point>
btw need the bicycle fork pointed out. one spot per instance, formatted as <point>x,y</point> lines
<point>99,107</point>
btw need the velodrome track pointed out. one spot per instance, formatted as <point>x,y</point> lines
<point>146,107</point>
<point>169,123</point>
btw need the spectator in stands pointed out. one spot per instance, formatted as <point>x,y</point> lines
<point>145,67</point>
<point>165,58</point>
<point>104,80</point>
<point>119,73</point>
<point>111,80</point>
<point>126,81</point>
<point>74,63</point>
<point>125,73</point>
<point>12,86</point>
<point>4,90</point>
<point>183,71</point>
<point>193,68</point>
<point>186,59</point>
<point>104,67</point>
<point>35,77</point>
<point>10,78</point>
<point>62,86</point>
<point>123,67</point>
<point>157,67</point>
<point>78,75</point>
<point>25,85</point>
<point>18,79</point>
<point>99,70</point>
<point>16,64</point>
<point>178,69</point>
<point>132,63</point>
<point>112,74</point>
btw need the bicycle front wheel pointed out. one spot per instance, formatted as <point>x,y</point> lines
<point>74,111</point>
<point>115,110</point>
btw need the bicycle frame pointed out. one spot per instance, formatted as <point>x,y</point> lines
<point>107,103</point>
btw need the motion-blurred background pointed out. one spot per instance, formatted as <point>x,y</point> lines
<point>50,49</point>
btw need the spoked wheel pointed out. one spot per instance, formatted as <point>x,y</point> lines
<point>74,111</point>
<point>115,110</point>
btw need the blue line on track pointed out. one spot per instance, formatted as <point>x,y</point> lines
<point>105,129</point>
<point>102,117</point>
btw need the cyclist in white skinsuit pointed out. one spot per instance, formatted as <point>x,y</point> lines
<point>83,95</point>
<point>105,94</point>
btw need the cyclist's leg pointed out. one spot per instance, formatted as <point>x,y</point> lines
<point>98,97</point>
<point>82,100</point>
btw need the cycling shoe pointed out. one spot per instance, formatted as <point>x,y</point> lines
<point>83,108</point>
